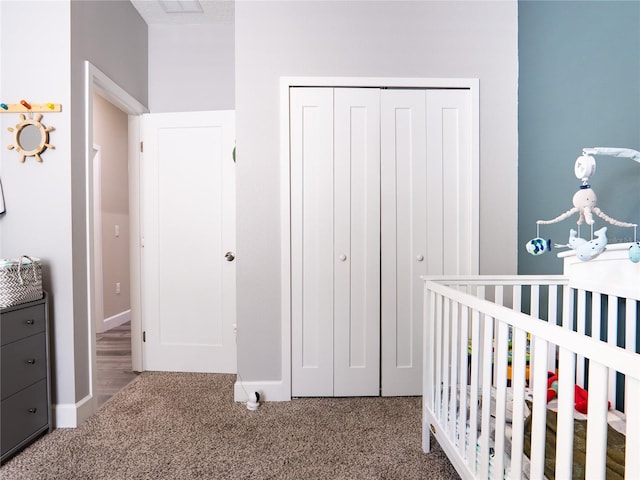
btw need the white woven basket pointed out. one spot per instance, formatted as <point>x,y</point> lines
<point>20,280</point>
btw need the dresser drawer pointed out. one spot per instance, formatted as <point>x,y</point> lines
<point>24,362</point>
<point>23,415</point>
<point>21,323</point>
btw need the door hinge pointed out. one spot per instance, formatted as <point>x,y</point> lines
<point>141,147</point>
<point>144,336</point>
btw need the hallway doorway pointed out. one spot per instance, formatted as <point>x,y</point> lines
<point>111,229</point>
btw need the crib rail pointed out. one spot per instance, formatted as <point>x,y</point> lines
<point>521,327</point>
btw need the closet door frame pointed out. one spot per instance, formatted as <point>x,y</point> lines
<point>286,83</point>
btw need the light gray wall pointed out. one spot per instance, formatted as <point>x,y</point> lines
<point>579,87</point>
<point>113,37</point>
<point>191,67</point>
<point>476,39</point>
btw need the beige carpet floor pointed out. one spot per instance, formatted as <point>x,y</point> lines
<point>187,426</point>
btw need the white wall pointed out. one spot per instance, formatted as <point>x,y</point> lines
<point>476,39</point>
<point>191,67</point>
<point>44,46</point>
<point>38,219</point>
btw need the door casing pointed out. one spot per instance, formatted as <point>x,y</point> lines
<point>97,82</point>
<point>281,390</point>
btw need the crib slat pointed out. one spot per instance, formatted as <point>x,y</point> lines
<point>632,446</point>
<point>464,366</point>
<point>597,422</point>
<point>581,319</point>
<point>500,366</point>
<point>455,387</point>
<point>596,316</point>
<point>487,355</point>
<point>535,313</point>
<point>437,362</point>
<point>517,298</point>
<point>631,325</point>
<point>427,366</point>
<point>567,307</point>
<point>498,299</point>
<point>473,402</point>
<point>552,311</point>
<point>445,343</point>
<point>612,337</point>
<point>518,381</point>
<point>567,365</point>
<point>535,301</point>
<point>538,430</point>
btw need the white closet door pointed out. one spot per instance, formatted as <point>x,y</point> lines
<point>335,198</point>
<point>404,234</point>
<point>312,255</point>
<point>449,226</point>
<point>426,211</point>
<point>357,242</point>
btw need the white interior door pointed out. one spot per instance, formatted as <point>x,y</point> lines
<point>335,168</point>
<point>188,226</point>
<point>426,216</point>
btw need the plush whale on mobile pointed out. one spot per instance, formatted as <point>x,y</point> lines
<point>593,248</point>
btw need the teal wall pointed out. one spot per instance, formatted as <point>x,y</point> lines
<point>579,86</point>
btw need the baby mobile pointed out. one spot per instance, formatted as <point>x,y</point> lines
<point>584,204</point>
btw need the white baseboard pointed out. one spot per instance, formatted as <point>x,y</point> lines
<point>270,391</point>
<point>116,320</point>
<point>72,415</point>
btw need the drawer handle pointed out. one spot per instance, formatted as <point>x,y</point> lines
<point>31,322</point>
<point>31,361</point>
<point>32,410</point>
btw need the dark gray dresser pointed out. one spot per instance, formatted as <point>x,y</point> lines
<point>25,390</point>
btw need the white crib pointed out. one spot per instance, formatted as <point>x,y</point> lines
<point>497,337</point>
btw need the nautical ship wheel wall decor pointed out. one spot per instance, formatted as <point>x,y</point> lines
<point>30,137</point>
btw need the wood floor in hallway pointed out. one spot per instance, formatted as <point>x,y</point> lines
<point>113,357</point>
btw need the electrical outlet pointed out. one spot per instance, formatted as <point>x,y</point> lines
<point>117,288</point>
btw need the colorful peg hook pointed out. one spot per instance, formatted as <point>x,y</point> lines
<point>4,106</point>
<point>25,104</point>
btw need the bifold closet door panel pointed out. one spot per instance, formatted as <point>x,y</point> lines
<point>404,234</point>
<point>450,237</point>
<point>312,255</point>
<point>357,242</point>
<point>427,212</point>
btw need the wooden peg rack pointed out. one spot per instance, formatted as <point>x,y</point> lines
<point>35,108</point>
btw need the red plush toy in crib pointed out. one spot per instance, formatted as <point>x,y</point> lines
<point>552,386</point>
<point>581,395</point>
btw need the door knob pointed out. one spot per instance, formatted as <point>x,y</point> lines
<point>342,257</point>
<point>229,256</point>
<point>419,258</point>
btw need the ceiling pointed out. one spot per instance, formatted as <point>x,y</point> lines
<point>185,12</point>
